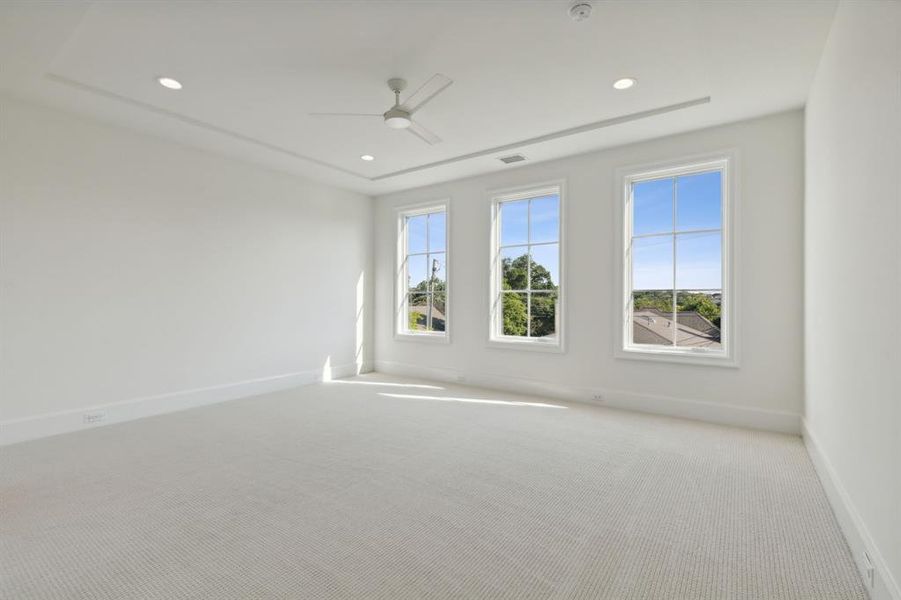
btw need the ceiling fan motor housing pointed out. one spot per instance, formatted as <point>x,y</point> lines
<point>396,84</point>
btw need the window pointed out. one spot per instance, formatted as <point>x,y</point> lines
<point>422,273</point>
<point>678,301</point>
<point>526,281</point>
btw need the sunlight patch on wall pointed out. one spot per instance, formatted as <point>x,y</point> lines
<point>359,335</point>
<point>327,369</point>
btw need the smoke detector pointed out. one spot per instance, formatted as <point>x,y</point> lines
<point>580,10</point>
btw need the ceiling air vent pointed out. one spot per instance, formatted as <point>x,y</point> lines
<point>513,158</point>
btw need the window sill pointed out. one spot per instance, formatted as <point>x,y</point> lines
<point>531,345</point>
<point>429,338</point>
<point>685,357</point>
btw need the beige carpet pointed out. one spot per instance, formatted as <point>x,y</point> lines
<point>341,491</point>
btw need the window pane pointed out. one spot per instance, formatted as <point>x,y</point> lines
<point>515,315</point>
<point>437,231</point>
<point>417,312</point>
<point>544,315</point>
<point>699,261</point>
<point>545,267</point>
<point>514,222</point>
<point>652,263</point>
<point>439,311</point>
<point>514,265</point>
<point>545,219</point>
<point>652,206</point>
<point>698,201</point>
<point>418,272</point>
<point>652,318</point>
<point>698,319</point>
<point>416,232</point>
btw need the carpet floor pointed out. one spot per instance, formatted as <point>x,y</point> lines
<point>388,488</point>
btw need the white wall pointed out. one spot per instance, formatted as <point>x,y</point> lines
<point>765,391</point>
<point>853,279</point>
<point>134,268</point>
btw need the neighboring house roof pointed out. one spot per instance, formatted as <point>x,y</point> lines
<point>696,321</point>
<point>652,326</point>
<point>645,335</point>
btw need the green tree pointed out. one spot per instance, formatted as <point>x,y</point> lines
<point>662,301</point>
<point>544,314</point>
<point>416,320</point>
<point>438,287</point>
<point>515,314</point>
<point>701,304</point>
<point>516,276</point>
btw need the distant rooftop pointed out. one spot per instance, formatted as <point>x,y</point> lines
<point>653,326</point>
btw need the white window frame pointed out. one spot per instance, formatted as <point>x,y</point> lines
<point>727,163</point>
<point>400,289</point>
<point>495,315</point>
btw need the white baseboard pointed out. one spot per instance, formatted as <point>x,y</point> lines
<point>859,539</point>
<point>39,426</point>
<point>724,414</point>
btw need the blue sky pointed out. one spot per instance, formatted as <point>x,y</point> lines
<point>419,267</point>
<point>698,255</point>
<point>416,232</point>
<point>545,214</point>
<point>698,205</point>
<point>698,264</point>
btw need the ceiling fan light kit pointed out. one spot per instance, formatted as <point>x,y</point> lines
<point>397,119</point>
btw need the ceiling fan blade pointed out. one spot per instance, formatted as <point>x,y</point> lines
<point>328,114</point>
<point>431,88</point>
<point>422,133</point>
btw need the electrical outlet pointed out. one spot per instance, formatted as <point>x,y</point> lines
<point>870,570</point>
<point>597,397</point>
<point>94,417</point>
<point>461,378</point>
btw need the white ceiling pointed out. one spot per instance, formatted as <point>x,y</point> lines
<point>521,69</point>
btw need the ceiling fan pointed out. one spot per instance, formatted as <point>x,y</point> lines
<point>400,116</point>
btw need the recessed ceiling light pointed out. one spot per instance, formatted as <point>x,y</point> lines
<point>168,82</point>
<point>624,83</point>
<point>368,157</point>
